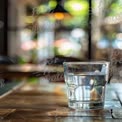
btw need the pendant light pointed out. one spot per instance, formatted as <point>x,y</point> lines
<point>59,12</point>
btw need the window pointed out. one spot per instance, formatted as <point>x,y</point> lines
<point>63,35</point>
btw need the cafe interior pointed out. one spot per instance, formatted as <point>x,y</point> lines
<point>37,37</point>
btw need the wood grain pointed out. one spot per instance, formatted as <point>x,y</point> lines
<point>45,103</point>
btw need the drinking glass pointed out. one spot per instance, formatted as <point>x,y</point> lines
<point>85,83</point>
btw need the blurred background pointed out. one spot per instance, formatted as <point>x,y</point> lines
<point>34,30</point>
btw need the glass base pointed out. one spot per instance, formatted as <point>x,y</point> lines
<point>86,105</point>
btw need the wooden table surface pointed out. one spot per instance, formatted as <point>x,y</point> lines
<point>29,70</point>
<point>37,102</point>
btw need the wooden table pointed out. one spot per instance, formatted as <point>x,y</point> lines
<point>48,103</point>
<point>29,70</point>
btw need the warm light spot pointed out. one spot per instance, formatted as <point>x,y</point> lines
<point>77,6</point>
<point>77,33</point>
<point>60,42</point>
<point>28,45</point>
<point>67,48</point>
<point>59,16</point>
<point>27,88</point>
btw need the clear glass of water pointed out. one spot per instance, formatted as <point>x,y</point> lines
<point>85,83</point>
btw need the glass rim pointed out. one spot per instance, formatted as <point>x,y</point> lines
<point>87,62</point>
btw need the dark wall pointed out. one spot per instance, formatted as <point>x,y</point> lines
<point>3,26</point>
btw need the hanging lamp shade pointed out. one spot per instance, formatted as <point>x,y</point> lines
<point>59,12</point>
<point>59,8</point>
